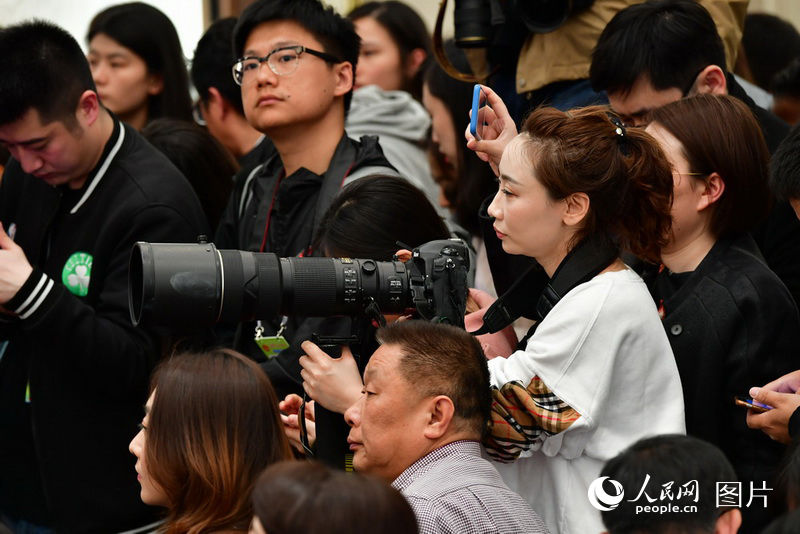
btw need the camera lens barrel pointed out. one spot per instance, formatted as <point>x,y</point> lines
<point>174,283</point>
<point>198,285</point>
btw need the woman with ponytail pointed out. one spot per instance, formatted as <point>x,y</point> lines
<point>596,373</point>
<point>731,322</point>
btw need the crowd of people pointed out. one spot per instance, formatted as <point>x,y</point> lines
<point>626,357</point>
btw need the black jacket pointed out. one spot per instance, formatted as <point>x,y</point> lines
<point>732,325</point>
<point>294,204</point>
<point>778,237</point>
<point>64,457</point>
<point>297,205</point>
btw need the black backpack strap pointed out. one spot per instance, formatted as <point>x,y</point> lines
<point>342,163</point>
<point>583,263</point>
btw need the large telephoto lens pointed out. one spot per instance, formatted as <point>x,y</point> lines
<point>199,285</point>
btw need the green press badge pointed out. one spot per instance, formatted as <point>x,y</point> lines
<point>272,345</point>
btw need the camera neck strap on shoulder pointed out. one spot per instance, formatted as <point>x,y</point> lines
<point>583,263</point>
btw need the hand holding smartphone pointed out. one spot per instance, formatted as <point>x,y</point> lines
<point>476,106</point>
<point>747,402</point>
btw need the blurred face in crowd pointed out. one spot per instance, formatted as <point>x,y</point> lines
<point>443,131</point>
<point>122,79</point>
<point>303,97</point>
<point>379,61</point>
<point>527,219</point>
<point>151,492</point>
<point>688,200</point>
<point>53,152</point>
<point>388,421</point>
<point>633,106</point>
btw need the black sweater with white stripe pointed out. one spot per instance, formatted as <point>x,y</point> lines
<point>74,373</point>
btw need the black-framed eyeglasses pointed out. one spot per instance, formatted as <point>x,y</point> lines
<point>282,61</point>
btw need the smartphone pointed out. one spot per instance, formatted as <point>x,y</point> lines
<point>476,106</point>
<point>747,402</point>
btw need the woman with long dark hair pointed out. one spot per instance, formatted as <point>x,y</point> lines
<point>211,425</point>
<point>138,65</point>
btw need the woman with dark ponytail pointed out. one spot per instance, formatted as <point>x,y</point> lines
<point>596,373</point>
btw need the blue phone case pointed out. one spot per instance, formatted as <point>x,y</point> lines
<point>476,104</point>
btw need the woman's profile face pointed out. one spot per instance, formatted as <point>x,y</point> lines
<point>379,61</point>
<point>527,220</point>
<point>151,493</point>
<point>121,76</point>
<point>687,190</point>
<point>443,130</point>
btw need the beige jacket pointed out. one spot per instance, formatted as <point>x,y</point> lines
<point>566,53</point>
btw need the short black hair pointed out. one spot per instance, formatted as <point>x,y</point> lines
<point>787,81</point>
<point>784,172</point>
<point>668,41</point>
<point>44,69</point>
<point>441,359</point>
<point>336,33</point>
<point>770,43</point>
<point>149,33</point>
<point>211,65</point>
<point>667,458</point>
<point>201,159</point>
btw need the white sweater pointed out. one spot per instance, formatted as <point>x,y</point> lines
<point>602,350</point>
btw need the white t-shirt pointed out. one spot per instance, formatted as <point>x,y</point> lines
<point>602,350</point>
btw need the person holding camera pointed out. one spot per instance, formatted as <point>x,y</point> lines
<point>596,373</point>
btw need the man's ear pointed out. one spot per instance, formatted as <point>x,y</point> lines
<point>711,80</point>
<point>729,522</point>
<point>576,208</point>
<point>344,78</point>
<point>216,104</point>
<point>88,108</point>
<point>414,61</point>
<point>714,187</point>
<point>440,415</point>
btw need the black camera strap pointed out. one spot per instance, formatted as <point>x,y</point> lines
<point>583,263</point>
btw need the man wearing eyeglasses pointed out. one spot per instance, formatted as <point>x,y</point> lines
<point>660,51</point>
<point>296,69</point>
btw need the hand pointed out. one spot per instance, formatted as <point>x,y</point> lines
<point>788,383</point>
<point>403,255</point>
<point>335,383</point>
<point>290,407</point>
<point>14,267</point>
<point>774,422</point>
<point>501,343</point>
<point>498,130</point>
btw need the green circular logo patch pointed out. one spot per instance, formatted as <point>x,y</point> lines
<point>77,272</point>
